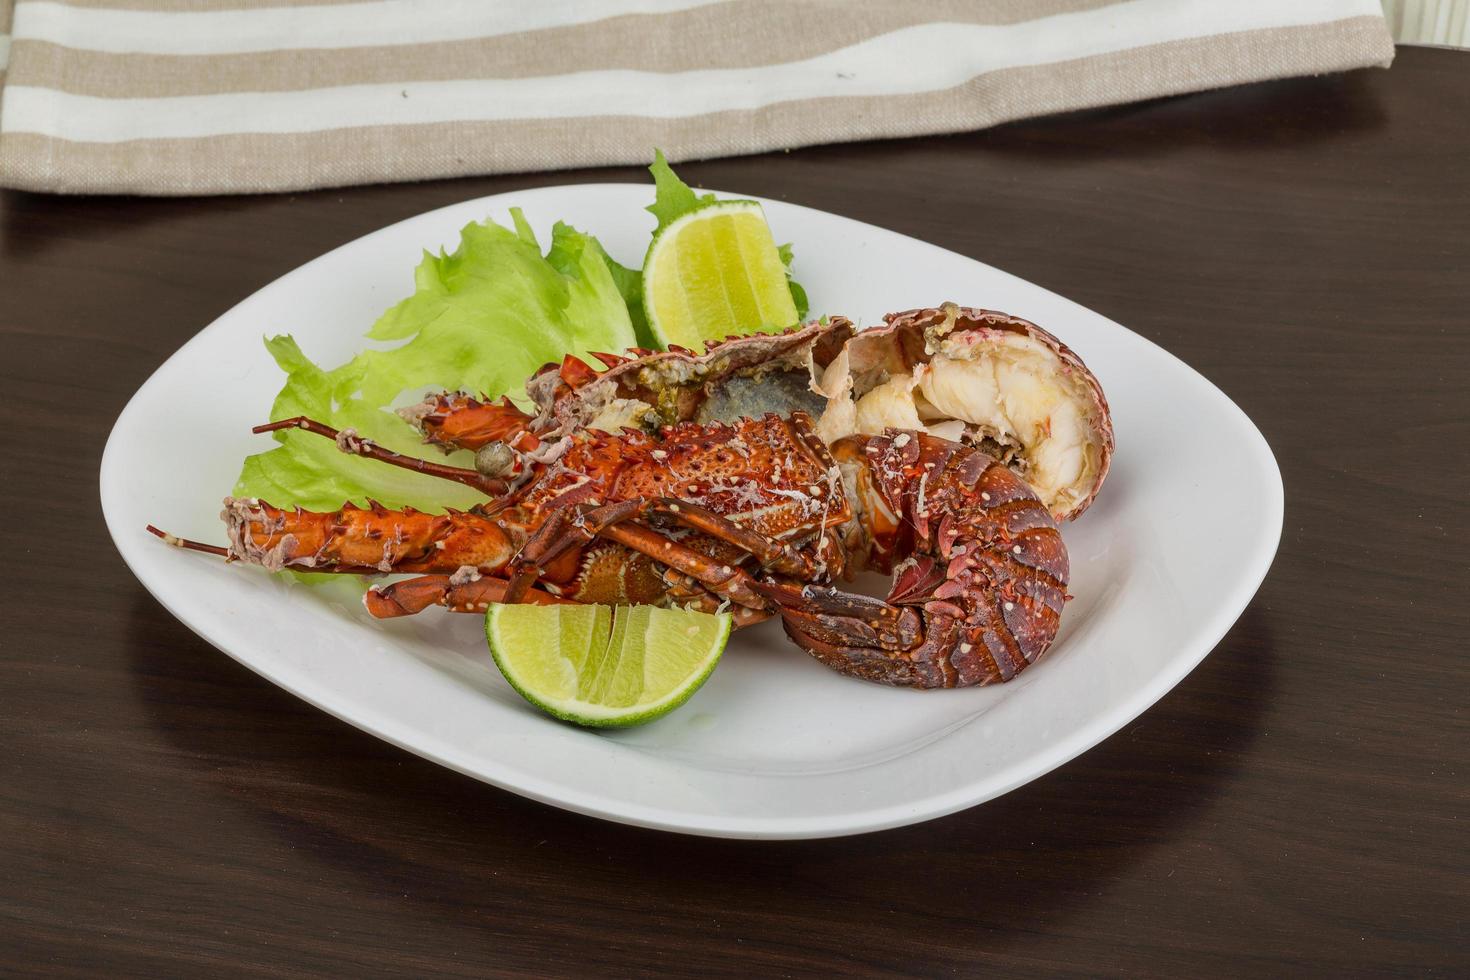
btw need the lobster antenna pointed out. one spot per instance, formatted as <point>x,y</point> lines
<point>350,442</point>
<point>214,549</point>
<point>208,549</point>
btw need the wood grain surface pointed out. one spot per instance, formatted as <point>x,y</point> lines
<point>1296,806</point>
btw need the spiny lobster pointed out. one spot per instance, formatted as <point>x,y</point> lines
<point>701,481</point>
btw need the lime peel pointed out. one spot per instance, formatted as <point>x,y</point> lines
<point>605,667</point>
<point>715,272</point>
<point>735,270</point>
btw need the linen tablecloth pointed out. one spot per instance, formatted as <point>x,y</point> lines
<point>190,97</point>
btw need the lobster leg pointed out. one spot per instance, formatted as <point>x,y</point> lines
<point>772,554</point>
<point>617,522</point>
<point>834,616</point>
<point>870,638</point>
<point>727,581</point>
<point>927,664</point>
<point>689,594</point>
<point>551,539</point>
<point>457,593</point>
<point>473,594</point>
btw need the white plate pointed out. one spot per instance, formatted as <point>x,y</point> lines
<point>774,745</point>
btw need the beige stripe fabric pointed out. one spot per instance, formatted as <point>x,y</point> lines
<point>196,6</point>
<point>617,43</point>
<point>399,99</point>
<point>5,12</point>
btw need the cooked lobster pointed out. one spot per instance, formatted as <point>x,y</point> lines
<point>701,481</point>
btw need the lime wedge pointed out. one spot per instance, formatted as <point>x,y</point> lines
<point>601,666</point>
<point>714,273</point>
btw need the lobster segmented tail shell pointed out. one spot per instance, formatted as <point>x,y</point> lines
<point>972,548</point>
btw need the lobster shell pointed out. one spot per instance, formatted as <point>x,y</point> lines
<point>570,395</point>
<point>913,337</point>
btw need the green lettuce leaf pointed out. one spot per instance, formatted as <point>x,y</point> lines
<point>798,292</point>
<point>672,199</point>
<point>482,318</point>
<point>630,285</point>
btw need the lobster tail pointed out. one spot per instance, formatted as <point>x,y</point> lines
<point>980,574</point>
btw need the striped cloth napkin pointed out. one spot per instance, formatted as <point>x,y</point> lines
<point>198,97</point>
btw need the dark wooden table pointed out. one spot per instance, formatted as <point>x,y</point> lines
<point>1296,805</point>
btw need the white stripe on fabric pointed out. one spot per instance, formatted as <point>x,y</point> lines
<point>371,24</point>
<point>929,57</point>
<point>4,51</point>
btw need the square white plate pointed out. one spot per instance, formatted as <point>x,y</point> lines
<point>774,745</point>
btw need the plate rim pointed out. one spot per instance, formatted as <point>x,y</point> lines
<point>856,821</point>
